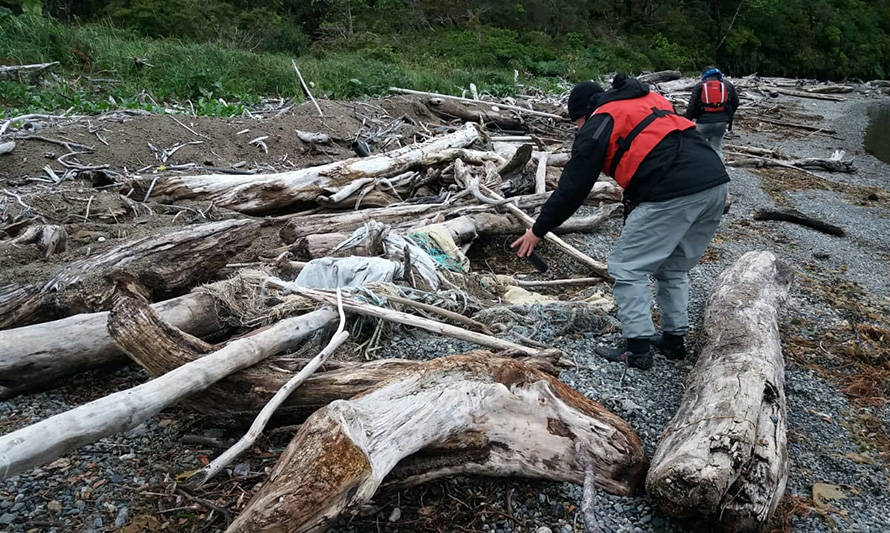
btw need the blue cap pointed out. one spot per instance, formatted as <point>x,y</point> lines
<point>712,72</point>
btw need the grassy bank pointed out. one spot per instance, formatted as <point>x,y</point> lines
<point>99,70</point>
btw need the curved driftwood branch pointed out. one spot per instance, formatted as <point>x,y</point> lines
<point>44,441</point>
<point>488,415</point>
<point>265,415</point>
<point>723,456</point>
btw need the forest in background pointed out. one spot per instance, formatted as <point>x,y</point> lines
<point>223,54</point>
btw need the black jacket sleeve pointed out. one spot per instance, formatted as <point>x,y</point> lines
<point>578,176</point>
<point>694,109</point>
<point>733,99</point>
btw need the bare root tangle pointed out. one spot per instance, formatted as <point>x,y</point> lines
<point>515,420</point>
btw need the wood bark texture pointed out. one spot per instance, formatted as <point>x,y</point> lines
<point>472,413</point>
<point>270,192</point>
<point>163,265</point>
<point>44,441</point>
<point>723,457</point>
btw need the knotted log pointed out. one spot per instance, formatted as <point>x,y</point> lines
<point>723,457</point>
<point>471,413</point>
<point>262,193</point>
<point>164,265</point>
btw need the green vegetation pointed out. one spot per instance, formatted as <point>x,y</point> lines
<point>223,54</point>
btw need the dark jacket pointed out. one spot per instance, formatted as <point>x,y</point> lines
<point>682,163</point>
<point>696,110</point>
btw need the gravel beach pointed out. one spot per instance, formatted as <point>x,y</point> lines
<point>128,482</point>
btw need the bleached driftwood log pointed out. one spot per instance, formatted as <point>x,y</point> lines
<point>831,165</point>
<point>524,110</point>
<point>660,76</point>
<point>163,265</point>
<point>480,112</point>
<point>260,193</point>
<point>463,229</point>
<point>472,413</point>
<point>301,226</point>
<point>40,354</point>
<point>44,441</point>
<point>159,347</point>
<point>723,457</point>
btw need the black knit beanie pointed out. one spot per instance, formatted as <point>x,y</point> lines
<point>581,99</point>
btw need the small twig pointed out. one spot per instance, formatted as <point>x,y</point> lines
<point>168,153</point>
<point>306,88</point>
<point>263,418</point>
<point>188,128</point>
<point>86,215</point>
<point>67,144</point>
<point>18,199</point>
<point>150,187</point>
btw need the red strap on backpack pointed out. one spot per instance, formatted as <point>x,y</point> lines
<point>713,95</point>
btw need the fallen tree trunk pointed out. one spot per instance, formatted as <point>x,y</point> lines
<point>797,125</point>
<point>463,230</point>
<point>473,413</point>
<point>302,226</point>
<point>804,94</point>
<point>270,192</point>
<point>660,76</point>
<point>40,354</point>
<point>159,348</point>
<point>723,457</point>
<point>831,165</point>
<point>525,110</point>
<point>44,441</point>
<point>163,265</point>
<point>481,112</point>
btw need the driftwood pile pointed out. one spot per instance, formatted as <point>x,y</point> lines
<point>236,347</point>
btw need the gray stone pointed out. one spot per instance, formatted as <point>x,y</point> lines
<point>7,518</point>
<point>122,516</point>
<point>395,515</point>
<point>543,529</point>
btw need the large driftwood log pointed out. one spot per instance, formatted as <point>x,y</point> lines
<point>463,229</point>
<point>476,413</point>
<point>524,110</point>
<point>40,354</point>
<point>660,76</point>
<point>159,347</point>
<point>301,226</point>
<point>44,441</point>
<point>480,112</point>
<point>723,457</point>
<point>270,192</point>
<point>163,265</point>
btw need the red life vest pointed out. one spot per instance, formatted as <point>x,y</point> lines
<point>713,95</point>
<point>644,122</point>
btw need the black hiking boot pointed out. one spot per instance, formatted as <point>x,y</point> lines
<point>671,346</point>
<point>635,352</point>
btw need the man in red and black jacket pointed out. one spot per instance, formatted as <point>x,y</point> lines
<point>712,106</point>
<point>677,185</point>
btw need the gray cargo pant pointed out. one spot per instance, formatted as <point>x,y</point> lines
<point>713,133</point>
<point>664,240</point>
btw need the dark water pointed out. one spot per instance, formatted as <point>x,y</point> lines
<point>877,137</point>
